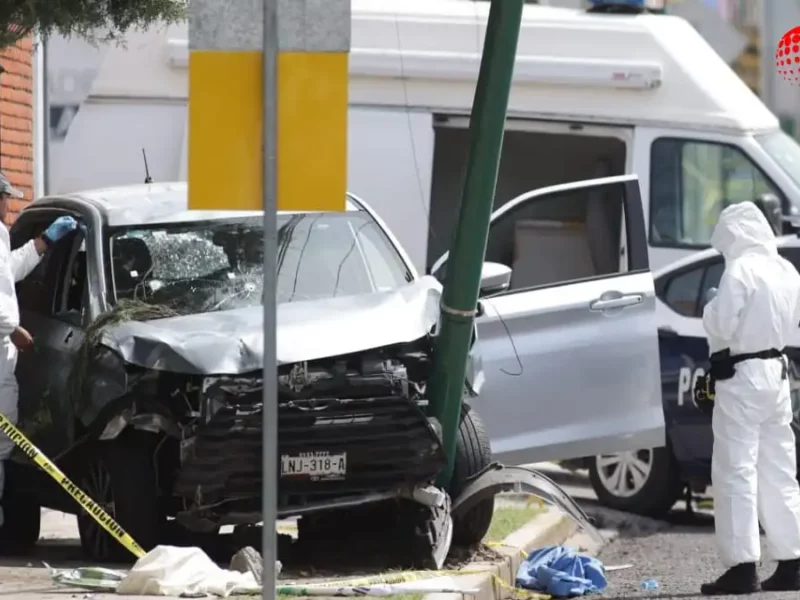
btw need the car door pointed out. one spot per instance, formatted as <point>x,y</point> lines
<point>683,351</point>
<point>570,350</point>
<point>46,414</point>
<point>792,254</point>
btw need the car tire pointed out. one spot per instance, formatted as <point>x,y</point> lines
<point>473,454</point>
<point>120,475</point>
<point>654,497</point>
<point>22,519</point>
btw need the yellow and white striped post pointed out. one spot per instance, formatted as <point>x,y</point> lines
<point>268,129</point>
<point>226,104</point>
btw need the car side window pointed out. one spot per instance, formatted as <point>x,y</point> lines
<point>683,291</point>
<point>712,277</point>
<point>792,255</point>
<point>562,237</point>
<point>72,281</point>
<point>37,292</point>
<point>691,181</point>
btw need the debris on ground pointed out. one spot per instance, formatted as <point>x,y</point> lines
<point>649,584</point>
<point>190,573</point>
<point>164,571</point>
<point>561,572</point>
<point>249,560</point>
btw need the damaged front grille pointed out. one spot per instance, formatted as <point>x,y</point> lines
<point>347,427</point>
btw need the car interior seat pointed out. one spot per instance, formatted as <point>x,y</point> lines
<point>131,261</point>
<point>77,282</point>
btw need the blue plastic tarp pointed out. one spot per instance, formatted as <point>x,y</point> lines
<point>561,572</point>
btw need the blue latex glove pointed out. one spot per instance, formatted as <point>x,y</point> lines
<point>60,227</point>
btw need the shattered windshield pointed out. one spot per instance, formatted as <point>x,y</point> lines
<point>200,267</point>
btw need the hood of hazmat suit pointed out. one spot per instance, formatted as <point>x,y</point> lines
<point>756,308</point>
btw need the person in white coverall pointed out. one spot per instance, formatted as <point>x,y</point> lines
<point>15,266</point>
<point>755,312</point>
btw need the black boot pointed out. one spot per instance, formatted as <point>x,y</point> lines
<point>739,579</point>
<point>786,577</point>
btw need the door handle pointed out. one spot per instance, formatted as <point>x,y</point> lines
<point>68,336</point>
<point>621,302</point>
<point>667,331</point>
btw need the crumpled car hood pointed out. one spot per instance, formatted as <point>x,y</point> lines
<point>232,343</point>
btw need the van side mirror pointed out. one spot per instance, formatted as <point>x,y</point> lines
<point>770,205</point>
<point>495,277</point>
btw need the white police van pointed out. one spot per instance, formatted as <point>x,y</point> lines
<point>595,93</point>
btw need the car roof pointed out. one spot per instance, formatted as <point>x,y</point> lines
<point>152,203</point>
<point>784,241</point>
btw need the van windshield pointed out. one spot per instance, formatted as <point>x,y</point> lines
<point>785,151</point>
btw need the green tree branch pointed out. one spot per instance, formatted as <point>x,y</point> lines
<point>94,20</point>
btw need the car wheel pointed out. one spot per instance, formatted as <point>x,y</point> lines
<point>644,482</point>
<point>22,517</point>
<point>120,476</point>
<point>473,454</point>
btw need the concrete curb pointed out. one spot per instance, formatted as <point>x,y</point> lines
<point>549,528</point>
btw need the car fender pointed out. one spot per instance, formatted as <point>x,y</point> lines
<point>497,478</point>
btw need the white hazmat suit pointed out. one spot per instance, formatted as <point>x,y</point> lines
<point>14,266</point>
<point>753,466</point>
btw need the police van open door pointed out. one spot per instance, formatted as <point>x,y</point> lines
<point>570,348</point>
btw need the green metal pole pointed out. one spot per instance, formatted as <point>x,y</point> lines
<point>463,273</point>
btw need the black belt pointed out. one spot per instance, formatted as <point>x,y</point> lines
<point>723,363</point>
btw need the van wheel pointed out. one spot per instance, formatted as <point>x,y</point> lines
<point>473,454</point>
<point>644,482</point>
<point>120,476</point>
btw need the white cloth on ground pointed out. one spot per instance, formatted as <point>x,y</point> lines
<point>172,571</point>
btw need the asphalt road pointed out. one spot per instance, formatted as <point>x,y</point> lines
<point>679,552</point>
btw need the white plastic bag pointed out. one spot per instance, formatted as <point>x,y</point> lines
<point>172,571</point>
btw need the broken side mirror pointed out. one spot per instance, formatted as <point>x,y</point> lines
<point>495,277</point>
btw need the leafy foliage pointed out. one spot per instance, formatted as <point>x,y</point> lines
<point>94,20</point>
<point>91,351</point>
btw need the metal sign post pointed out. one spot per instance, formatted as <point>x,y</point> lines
<point>270,476</point>
<point>460,294</point>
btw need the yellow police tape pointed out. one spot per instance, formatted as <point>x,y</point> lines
<point>90,506</point>
<point>409,576</point>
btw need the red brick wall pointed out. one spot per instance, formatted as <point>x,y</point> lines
<point>16,118</point>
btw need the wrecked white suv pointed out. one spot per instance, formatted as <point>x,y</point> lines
<point>146,381</point>
<point>145,386</point>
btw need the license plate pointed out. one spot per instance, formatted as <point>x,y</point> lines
<point>315,465</point>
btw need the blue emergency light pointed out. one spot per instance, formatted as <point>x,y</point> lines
<point>642,5</point>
